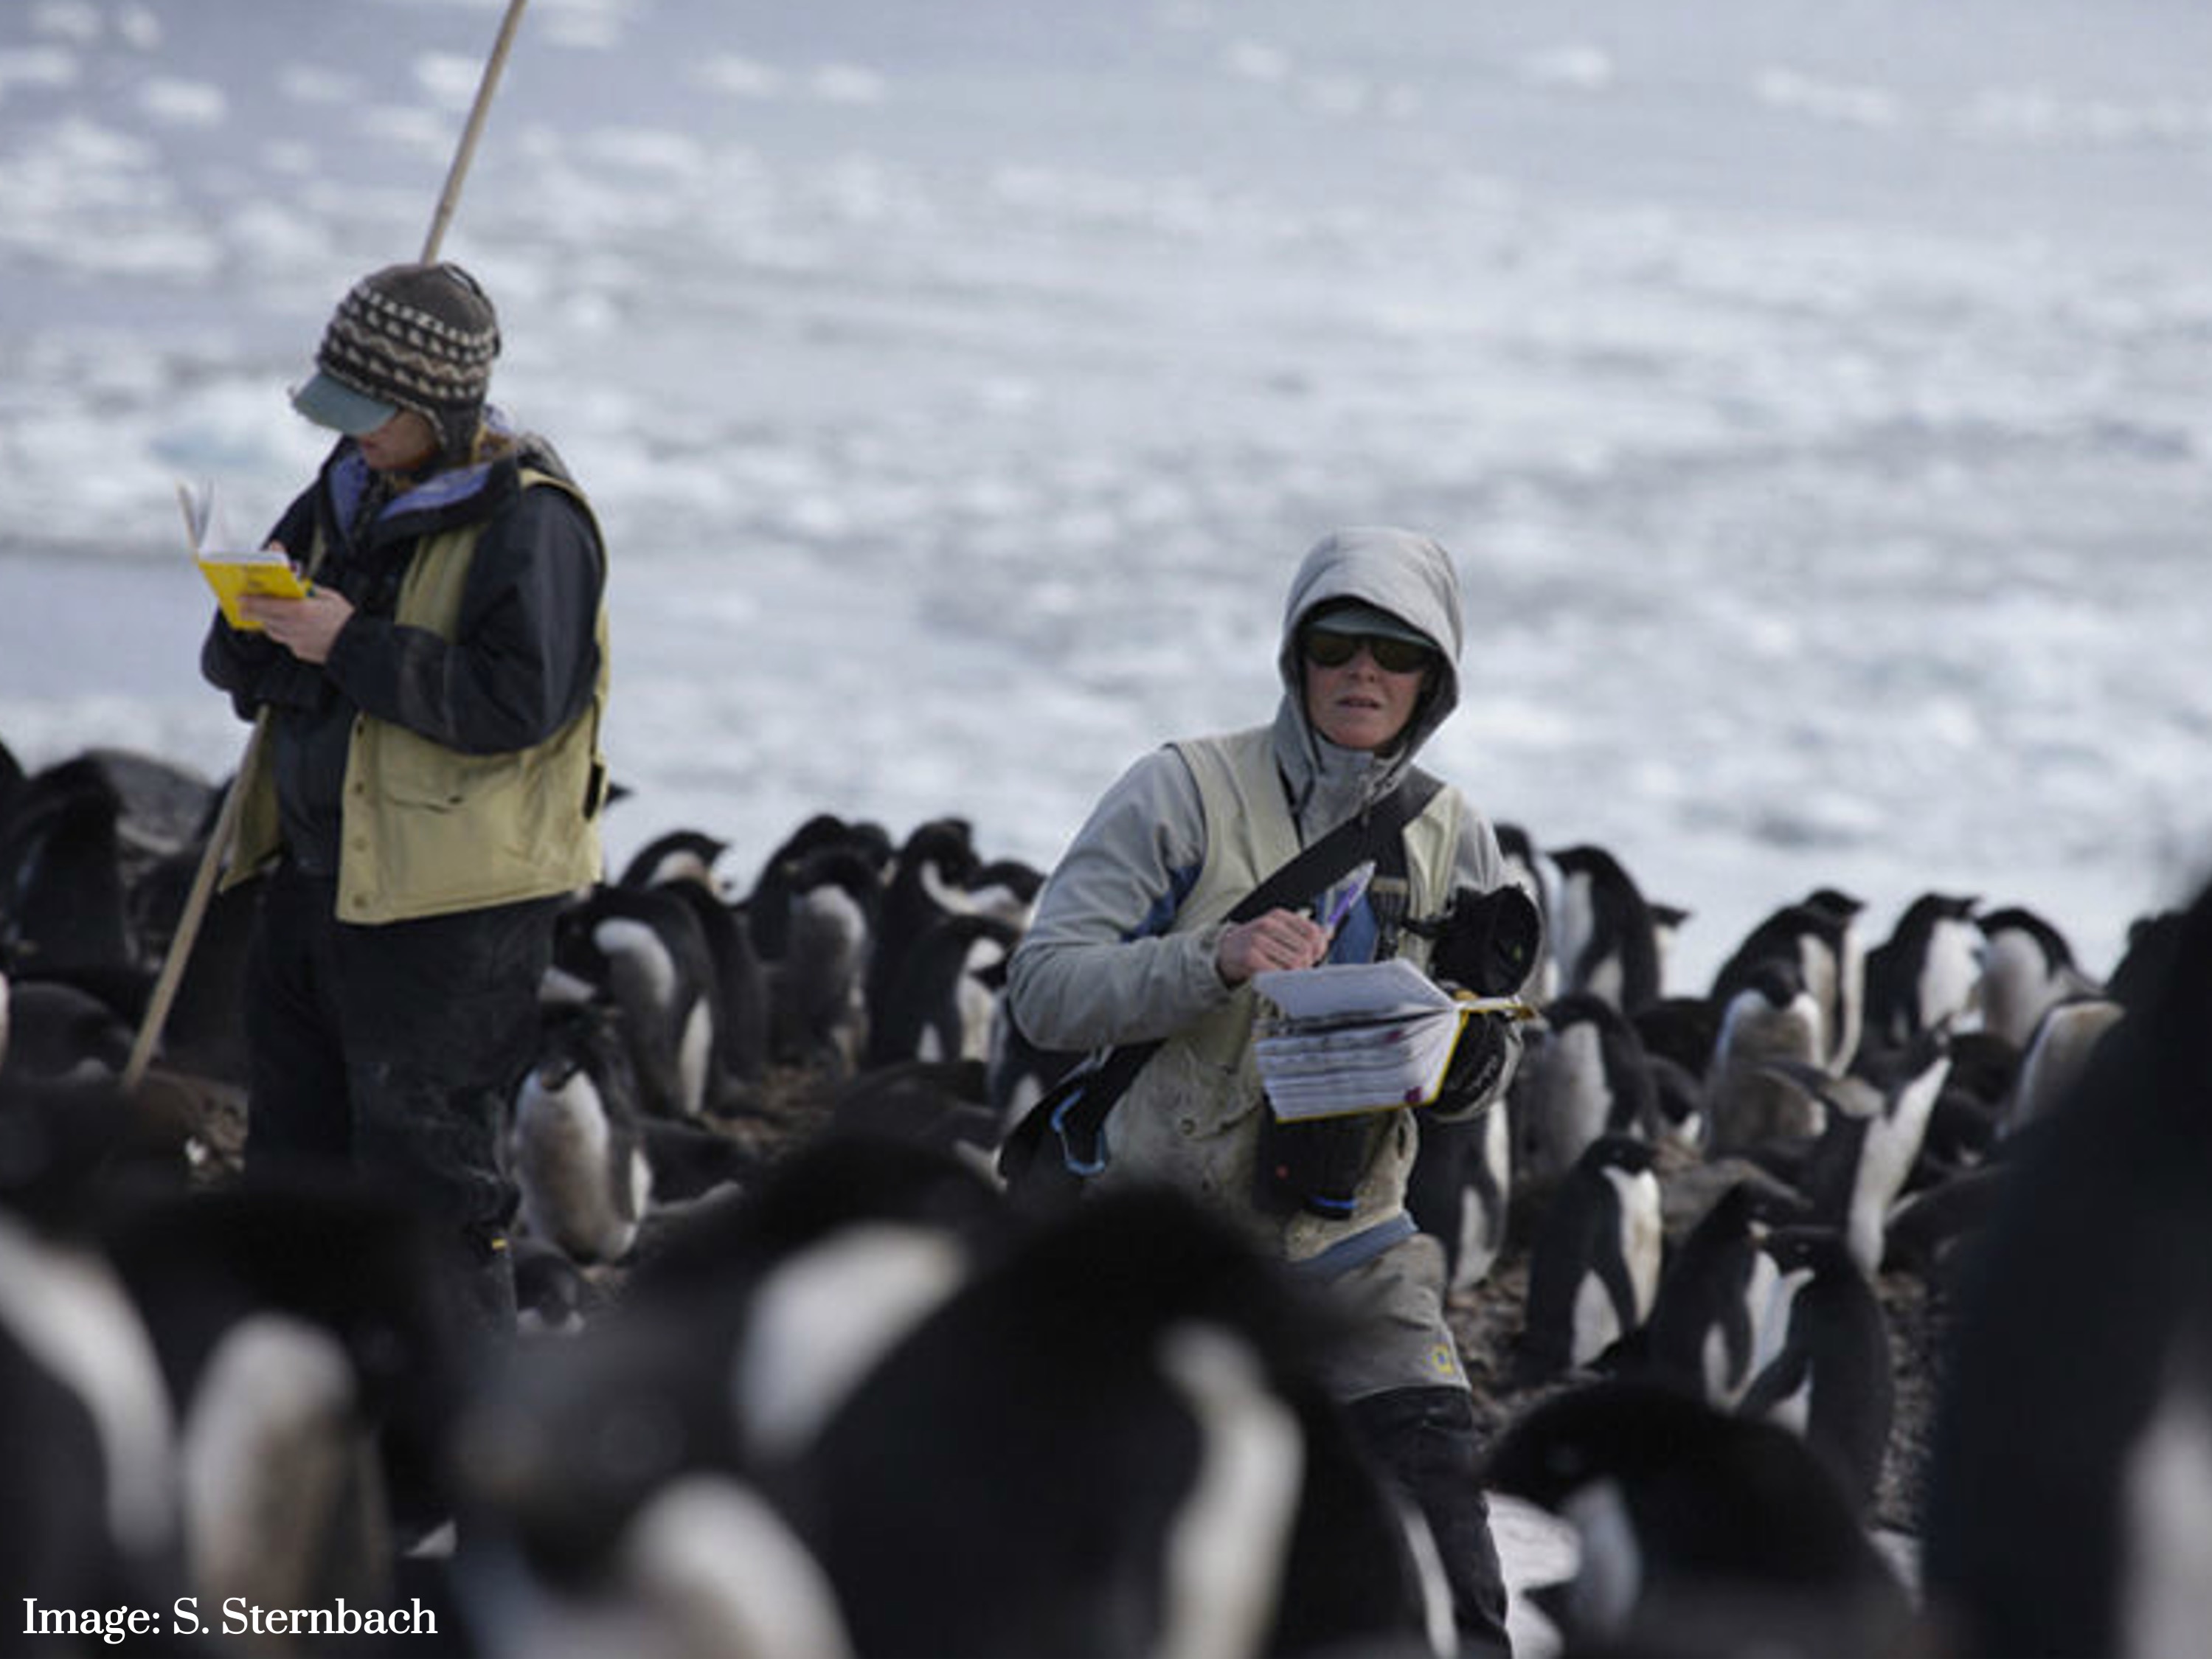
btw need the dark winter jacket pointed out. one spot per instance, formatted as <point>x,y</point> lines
<point>518,661</point>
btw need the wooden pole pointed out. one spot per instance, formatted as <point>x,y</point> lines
<point>164,993</point>
<point>450,197</point>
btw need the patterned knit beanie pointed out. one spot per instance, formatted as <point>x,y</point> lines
<point>410,337</point>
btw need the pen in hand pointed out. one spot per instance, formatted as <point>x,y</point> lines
<point>1348,893</point>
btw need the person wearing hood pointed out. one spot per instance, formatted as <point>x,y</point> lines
<point>426,789</point>
<point>1132,942</point>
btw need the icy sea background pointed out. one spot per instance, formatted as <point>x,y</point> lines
<point>1817,396</point>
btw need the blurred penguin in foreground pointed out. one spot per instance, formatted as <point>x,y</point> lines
<point>2070,1501</point>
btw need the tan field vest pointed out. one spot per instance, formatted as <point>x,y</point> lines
<point>1191,1116</point>
<point>426,830</point>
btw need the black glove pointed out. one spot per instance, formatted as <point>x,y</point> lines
<point>1487,942</point>
<point>1475,1065</point>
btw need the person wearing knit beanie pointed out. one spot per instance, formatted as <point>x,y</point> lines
<point>426,792</point>
<point>408,338</point>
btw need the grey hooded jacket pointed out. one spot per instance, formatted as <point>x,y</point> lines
<point>1097,967</point>
<point>1105,962</point>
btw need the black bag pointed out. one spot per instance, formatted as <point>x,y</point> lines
<point>1046,1158</point>
<point>1312,1165</point>
<point>1486,943</point>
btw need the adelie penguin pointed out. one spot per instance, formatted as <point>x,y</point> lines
<point>1682,1030</point>
<point>2066,1508</point>
<point>61,883</point>
<point>1007,889</point>
<point>2027,970</point>
<point>1667,921</point>
<point>315,1336</point>
<point>1461,1188</point>
<point>1016,1072</point>
<point>767,904</point>
<point>91,1442</point>
<point>1680,1119</point>
<point>702,1565</point>
<point>678,855</point>
<point>1927,973</point>
<point>1771,1017</point>
<point>818,996</point>
<point>644,951</point>
<point>2057,1054</point>
<point>577,1149</point>
<point>1587,1077</point>
<point>54,1031</point>
<point>1703,1332</point>
<point>681,864</point>
<point>939,1007</point>
<point>1594,1265</point>
<point>1875,1123</point>
<point>553,1297</point>
<point>928,884</point>
<point>937,1104</point>
<point>1701,1532</point>
<point>1817,937</point>
<point>1822,1368</point>
<point>1127,1409</point>
<point>1603,935</point>
<point>742,1328</point>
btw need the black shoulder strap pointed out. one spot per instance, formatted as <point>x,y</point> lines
<point>1079,1113</point>
<point>1300,880</point>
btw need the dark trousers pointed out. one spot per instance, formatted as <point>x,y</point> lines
<point>1424,1438</point>
<point>392,1050</point>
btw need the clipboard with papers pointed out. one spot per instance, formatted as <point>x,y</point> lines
<point>1350,1037</point>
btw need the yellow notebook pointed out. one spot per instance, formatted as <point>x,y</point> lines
<point>231,568</point>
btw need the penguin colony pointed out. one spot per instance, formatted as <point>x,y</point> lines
<point>795,1380</point>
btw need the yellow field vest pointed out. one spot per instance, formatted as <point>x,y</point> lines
<point>426,830</point>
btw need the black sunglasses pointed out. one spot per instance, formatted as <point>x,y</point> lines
<point>1326,650</point>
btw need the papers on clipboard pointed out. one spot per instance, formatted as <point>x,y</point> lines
<point>1360,1037</point>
